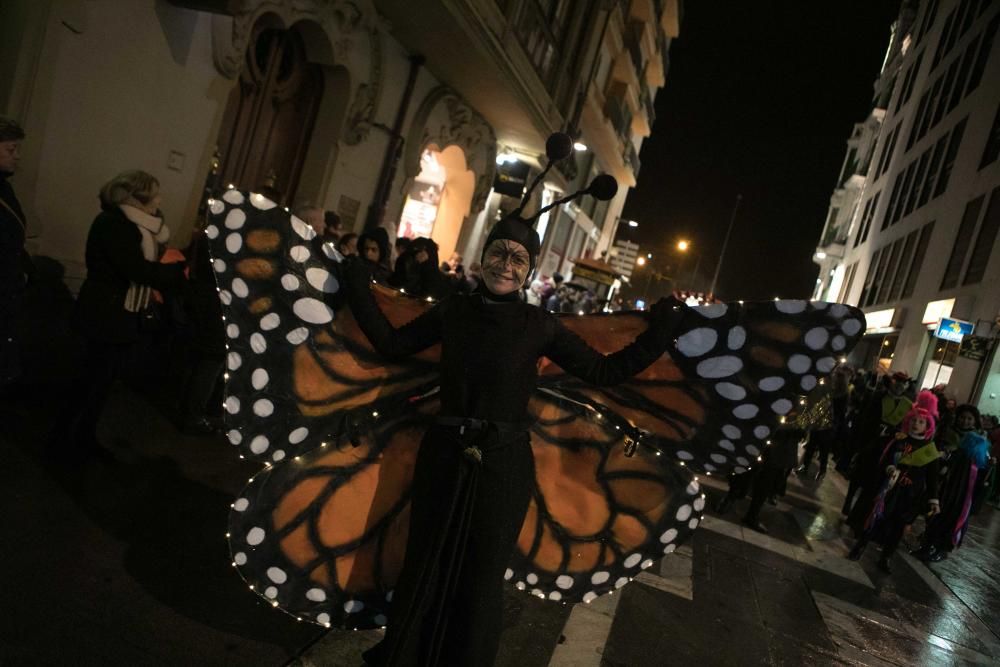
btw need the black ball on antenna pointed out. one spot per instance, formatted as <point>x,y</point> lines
<point>603,187</point>
<point>558,146</point>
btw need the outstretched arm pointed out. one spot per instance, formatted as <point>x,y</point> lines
<point>414,336</point>
<point>576,357</point>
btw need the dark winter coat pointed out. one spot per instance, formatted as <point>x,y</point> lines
<point>114,261</point>
<point>14,261</point>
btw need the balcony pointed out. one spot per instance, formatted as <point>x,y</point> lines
<point>631,158</point>
<point>617,111</point>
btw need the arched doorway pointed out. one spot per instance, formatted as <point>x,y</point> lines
<point>439,198</point>
<point>270,114</point>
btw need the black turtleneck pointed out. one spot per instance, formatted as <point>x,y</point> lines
<point>490,349</point>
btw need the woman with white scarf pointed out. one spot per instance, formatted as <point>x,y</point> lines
<point>123,249</point>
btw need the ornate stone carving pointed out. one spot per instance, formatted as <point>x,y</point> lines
<point>445,119</point>
<point>346,23</point>
<point>366,95</point>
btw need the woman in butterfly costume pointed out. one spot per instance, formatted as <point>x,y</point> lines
<point>417,454</point>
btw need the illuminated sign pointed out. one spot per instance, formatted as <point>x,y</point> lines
<point>879,320</point>
<point>953,330</point>
<point>936,310</point>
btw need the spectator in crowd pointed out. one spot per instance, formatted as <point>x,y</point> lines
<point>122,256</point>
<point>347,245</point>
<point>778,459</point>
<point>402,245</point>
<point>314,217</point>
<point>417,271</point>
<point>474,275</point>
<point>373,247</point>
<point>15,264</point>
<point>554,303</point>
<point>333,228</point>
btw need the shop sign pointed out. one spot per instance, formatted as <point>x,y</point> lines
<point>878,320</point>
<point>597,276</point>
<point>974,347</point>
<point>511,178</point>
<point>935,310</point>
<point>953,330</point>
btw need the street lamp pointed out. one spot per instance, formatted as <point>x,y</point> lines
<point>683,245</point>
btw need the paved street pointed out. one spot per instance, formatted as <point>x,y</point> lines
<point>124,562</point>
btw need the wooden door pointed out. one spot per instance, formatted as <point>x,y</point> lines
<point>270,115</point>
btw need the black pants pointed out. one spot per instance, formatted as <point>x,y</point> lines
<point>447,608</point>
<point>102,365</point>
<point>820,441</point>
<point>765,484</point>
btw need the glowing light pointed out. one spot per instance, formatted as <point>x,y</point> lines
<point>633,223</point>
<point>821,255</point>
<point>579,146</point>
<point>641,261</point>
<point>683,245</point>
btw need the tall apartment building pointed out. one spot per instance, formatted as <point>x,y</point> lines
<point>424,117</point>
<point>912,231</point>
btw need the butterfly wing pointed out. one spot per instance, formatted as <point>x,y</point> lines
<point>598,516</point>
<point>299,372</point>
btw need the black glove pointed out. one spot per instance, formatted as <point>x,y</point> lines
<point>667,313</point>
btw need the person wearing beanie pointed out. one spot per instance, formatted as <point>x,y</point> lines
<point>908,470</point>
<point>15,264</point>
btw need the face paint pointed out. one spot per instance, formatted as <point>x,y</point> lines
<point>505,266</point>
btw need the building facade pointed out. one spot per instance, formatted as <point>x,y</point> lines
<point>414,116</point>
<point>911,235</point>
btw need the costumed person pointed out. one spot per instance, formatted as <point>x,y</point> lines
<point>819,417</point>
<point>968,464</point>
<point>123,248</point>
<point>15,264</point>
<point>909,468</point>
<point>880,417</point>
<point>419,453</point>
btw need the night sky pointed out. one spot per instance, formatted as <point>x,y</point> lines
<point>760,99</point>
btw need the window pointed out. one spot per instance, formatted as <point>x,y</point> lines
<point>890,272</point>
<point>928,19</point>
<point>908,80</point>
<point>918,260</point>
<point>961,246</point>
<point>932,171</point>
<point>893,198</point>
<point>845,291</point>
<point>984,54</point>
<point>992,149</point>
<point>942,40</point>
<point>904,196</point>
<point>918,182</point>
<point>869,278</point>
<point>904,264</point>
<point>866,223</point>
<point>984,242</point>
<point>883,263</point>
<point>887,148</point>
<point>949,83</point>
<point>963,73</point>
<point>949,158</point>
